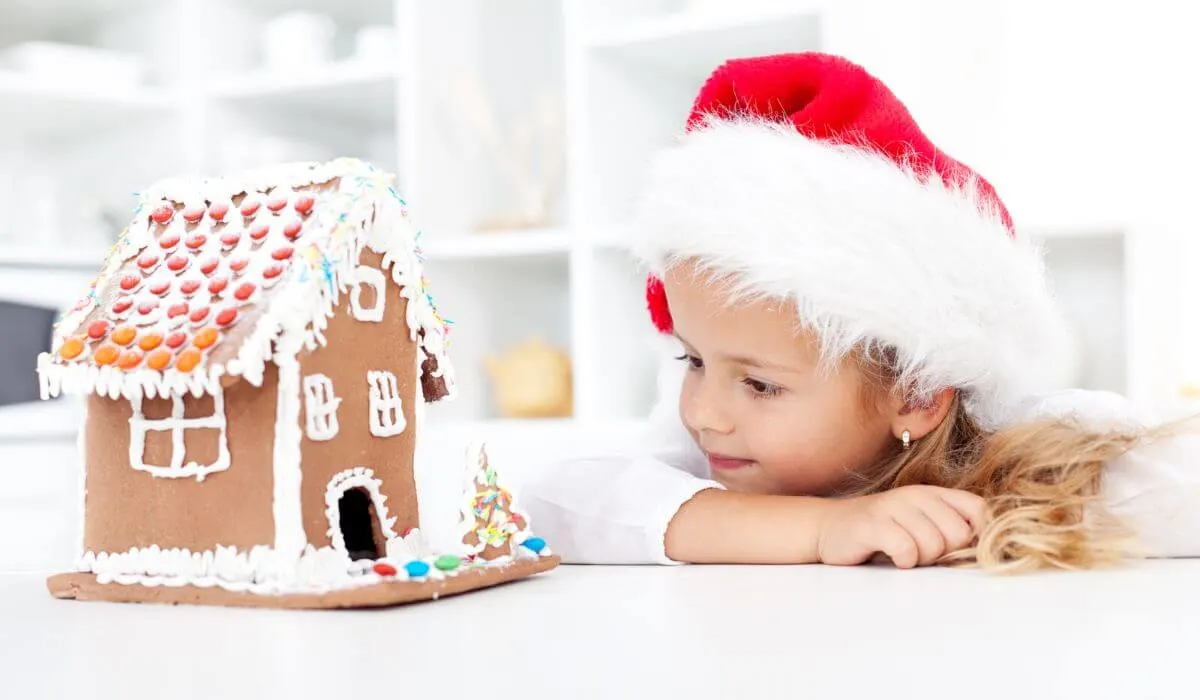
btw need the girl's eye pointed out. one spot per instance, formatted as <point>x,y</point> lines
<point>762,390</point>
<point>692,361</point>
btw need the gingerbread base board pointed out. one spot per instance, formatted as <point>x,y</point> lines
<point>80,586</point>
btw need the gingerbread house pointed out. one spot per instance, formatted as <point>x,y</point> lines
<point>256,354</point>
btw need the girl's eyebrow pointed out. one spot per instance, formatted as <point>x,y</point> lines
<point>742,360</point>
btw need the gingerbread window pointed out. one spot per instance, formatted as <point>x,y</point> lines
<point>320,408</point>
<point>368,278</point>
<point>387,410</point>
<point>180,436</point>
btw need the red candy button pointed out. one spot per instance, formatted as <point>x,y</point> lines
<point>272,272</point>
<point>177,309</point>
<point>189,287</point>
<point>176,339</point>
<point>277,203</point>
<point>120,306</point>
<point>282,253</point>
<point>227,317</point>
<point>384,569</point>
<point>128,282</point>
<point>239,264</point>
<point>305,203</point>
<point>177,263</point>
<point>163,213</point>
<point>230,238</point>
<point>168,241</point>
<point>218,285</point>
<point>260,231</point>
<point>160,288</point>
<point>147,306</point>
<point>292,229</point>
<point>147,261</point>
<point>196,242</point>
<point>193,214</point>
<point>250,206</point>
<point>218,211</point>
<point>209,266</point>
<point>199,315</point>
<point>97,329</point>
<point>244,291</point>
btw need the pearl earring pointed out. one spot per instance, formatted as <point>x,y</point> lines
<point>906,439</point>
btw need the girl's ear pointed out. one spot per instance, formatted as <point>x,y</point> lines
<point>920,419</point>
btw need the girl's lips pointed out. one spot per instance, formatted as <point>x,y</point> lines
<point>722,462</point>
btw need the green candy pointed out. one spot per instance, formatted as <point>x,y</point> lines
<point>447,562</point>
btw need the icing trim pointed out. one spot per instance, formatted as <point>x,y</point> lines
<point>369,276</point>
<point>320,408</point>
<point>289,522</point>
<point>178,426</point>
<point>386,406</point>
<point>358,477</point>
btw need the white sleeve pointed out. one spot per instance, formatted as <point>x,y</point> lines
<point>614,507</point>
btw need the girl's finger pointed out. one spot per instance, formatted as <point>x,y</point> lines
<point>930,543</point>
<point>898,544</point>
<point>971,507</point>
<point>957,531</point>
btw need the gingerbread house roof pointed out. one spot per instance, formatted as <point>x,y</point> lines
<point>213,278</point>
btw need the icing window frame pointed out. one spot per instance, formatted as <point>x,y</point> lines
<point>140,426</point>
<point>366,275</point>
<point>320,408</point>
<point>386,407</point>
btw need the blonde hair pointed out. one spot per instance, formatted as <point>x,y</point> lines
<point>1041,481</point>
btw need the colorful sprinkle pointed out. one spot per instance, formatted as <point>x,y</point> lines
<point>71,348</point>
<point>106,355</point>
<point>384,569</point>
<point>416,568</point>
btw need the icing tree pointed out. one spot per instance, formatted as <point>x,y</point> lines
<point>492,525</point>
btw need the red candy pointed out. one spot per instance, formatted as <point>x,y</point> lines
<point>193,214</point>
<point>160,288</point>
<point>128,282</point>
<point>282,253</point>
<point>260,231</point>
<point>227,317</point>
<point>292,229</point>
<point>218,285</point>
<point>230,238</point>
<point>147,261</point>
<point>218,211</point>
<point>305,203</point>
<point>163,213</point>
<point>120,306</point>
<point>250,206</point>
<point>197,241</point>
<point>147,306</point>
<point>209,266</point>
<point>97,329</point>
<point>272,272</point>
<point>189,287</point>
<point>239,264</point>
<point>176,339</point>
<point>199,314</point>
<point>177,263</point>
<point>168,241</point>
<point>277,203</point>
<point>244,291</point>
<point>177,309</point>
<point>384,569</point>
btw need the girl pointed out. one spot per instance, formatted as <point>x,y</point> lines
<point>863,339</point>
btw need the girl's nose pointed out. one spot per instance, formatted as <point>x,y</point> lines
<point>705,410</point>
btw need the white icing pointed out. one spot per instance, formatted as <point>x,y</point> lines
<point>387,409</point>
<point>370,277</point>
<point>178,426</point>
<point>320,408</point>
<point>289,522</point>
<point>359,477</point>
<point>81,447</point>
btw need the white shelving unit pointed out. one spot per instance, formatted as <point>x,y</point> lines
<point>623,73</point>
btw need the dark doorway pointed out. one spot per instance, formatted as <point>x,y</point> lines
<point>360,525</point>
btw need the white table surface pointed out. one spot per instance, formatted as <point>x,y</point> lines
<point>620,632</point>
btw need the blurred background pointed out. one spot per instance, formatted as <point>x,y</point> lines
<point>519,130</point>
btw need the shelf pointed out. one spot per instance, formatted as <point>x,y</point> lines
<point>66,257</point>
<point>346,91</point>
<point>32,108</point>
<point>689,46</point>
<point>506,244</point>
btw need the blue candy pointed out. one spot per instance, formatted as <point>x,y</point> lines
<point>534,544</point>
<point>416,568</point>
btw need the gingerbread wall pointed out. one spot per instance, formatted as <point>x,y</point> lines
<point>354,348</point>
<point>128,508</point>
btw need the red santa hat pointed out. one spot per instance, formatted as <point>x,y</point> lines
<point>802,177</point>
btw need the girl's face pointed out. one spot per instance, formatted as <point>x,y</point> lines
<point>754,402</point>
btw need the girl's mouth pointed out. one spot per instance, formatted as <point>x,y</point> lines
<point>721,462</point>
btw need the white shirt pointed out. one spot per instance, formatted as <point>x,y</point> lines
<point>613,507</point>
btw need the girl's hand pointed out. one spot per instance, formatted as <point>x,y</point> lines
<point>913,525</point>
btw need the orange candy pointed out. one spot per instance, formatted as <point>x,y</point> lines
<point>124,335</point>
<point>150,341</point>
<point>159,359</point>
<point>71,348</point>
<point>205,338</point>
<point>130,359</point>
<point>106,355</point>
<point>188,359</point>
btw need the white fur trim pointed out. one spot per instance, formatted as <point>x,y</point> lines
<point>873,254</point>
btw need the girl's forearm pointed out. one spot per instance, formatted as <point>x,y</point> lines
<point>723,527</point>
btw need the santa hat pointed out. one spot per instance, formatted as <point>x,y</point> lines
<point>802,177</point>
